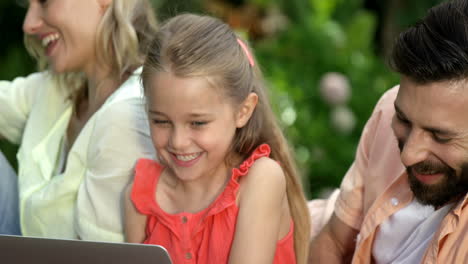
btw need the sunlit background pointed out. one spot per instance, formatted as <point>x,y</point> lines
<point>324,61</point>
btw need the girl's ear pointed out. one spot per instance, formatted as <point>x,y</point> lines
<point>246,109</point>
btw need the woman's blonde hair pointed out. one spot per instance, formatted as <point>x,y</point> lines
<point>190,45</point>
<point>123,36</point>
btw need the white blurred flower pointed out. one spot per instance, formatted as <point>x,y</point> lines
<point>289,116</point>
<point>343,119</point>
<point>335,88</point>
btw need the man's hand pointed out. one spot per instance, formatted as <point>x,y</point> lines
<point>334,244</point>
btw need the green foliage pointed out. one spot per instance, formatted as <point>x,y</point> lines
<point>294,63</point>
<point>414,9</point>
<point>167,8</point>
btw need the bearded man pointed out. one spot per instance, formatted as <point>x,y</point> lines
<point>404,199</point>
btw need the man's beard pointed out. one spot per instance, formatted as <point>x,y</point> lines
<point>449,187</point>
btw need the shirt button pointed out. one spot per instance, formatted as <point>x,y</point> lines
<point>184,219</point>
<point>394,201</point>
<point>188,255</point>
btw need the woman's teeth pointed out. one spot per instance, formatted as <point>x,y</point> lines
<point>47,40</point>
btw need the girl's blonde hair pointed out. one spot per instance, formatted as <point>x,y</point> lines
<point>123,36</point>
<point>190,45</point>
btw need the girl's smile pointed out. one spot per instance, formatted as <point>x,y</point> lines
<point>186,160</point>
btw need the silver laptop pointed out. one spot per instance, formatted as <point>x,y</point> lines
<point>19,250</point>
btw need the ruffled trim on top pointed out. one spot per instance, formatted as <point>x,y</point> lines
<point>228,197</point>
<point>147,173</point>
<point>260,152</point>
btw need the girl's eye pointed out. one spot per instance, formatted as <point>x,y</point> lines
<point>198,123</point>
<point>160,122</point>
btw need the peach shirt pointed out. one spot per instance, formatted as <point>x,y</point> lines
<point>376,186</point>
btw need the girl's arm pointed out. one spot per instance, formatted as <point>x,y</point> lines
<point>134,222</point>
<point>263,214</point>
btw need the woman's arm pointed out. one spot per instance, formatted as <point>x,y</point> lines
<point>134,221</point>
<point>16,101</point>
<point>262,207</point>
<point>120,137</point>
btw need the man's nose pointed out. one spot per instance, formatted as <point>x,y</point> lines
<point>416,147</point>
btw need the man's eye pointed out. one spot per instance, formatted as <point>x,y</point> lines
<point>401,119</point>
<point>440,140</point>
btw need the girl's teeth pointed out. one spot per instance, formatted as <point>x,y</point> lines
<point>47,40</point>
<point>187,157</point>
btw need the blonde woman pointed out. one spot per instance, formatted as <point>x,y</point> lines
<point>80,122</point>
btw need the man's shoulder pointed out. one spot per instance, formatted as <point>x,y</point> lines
<point>387,100</point>
<point>381,118</point>
<point>383,154</point>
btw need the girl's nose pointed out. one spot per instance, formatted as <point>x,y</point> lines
<point>179,139</point>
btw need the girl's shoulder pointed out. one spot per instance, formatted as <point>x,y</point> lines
<point>261,170</point>
<point>147,168</point>
<point>147,173</point>
<point>262,152</point>
<point>266,169</point>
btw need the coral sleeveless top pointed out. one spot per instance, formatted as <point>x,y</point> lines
<point>205,236</point>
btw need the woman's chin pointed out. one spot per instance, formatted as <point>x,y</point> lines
<point>58,69</point>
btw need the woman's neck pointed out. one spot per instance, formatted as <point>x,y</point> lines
<point>101,83</point>
<point>100,86</point>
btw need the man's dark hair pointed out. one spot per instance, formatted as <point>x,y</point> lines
<point>436,48</point>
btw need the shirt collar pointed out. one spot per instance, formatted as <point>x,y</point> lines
<point>460,205</point>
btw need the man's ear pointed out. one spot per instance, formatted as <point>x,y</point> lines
<point>246,109</point>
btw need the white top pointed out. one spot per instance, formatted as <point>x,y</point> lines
<point>405,236</point>
<point>83,200</point>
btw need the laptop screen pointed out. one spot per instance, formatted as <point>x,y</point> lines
<point>19,250</point>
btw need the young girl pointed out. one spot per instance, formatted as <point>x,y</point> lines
<point>225,188</point>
